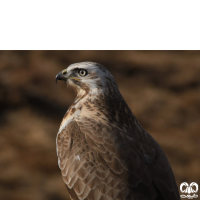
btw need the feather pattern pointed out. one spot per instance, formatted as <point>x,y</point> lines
<point>103,151</point>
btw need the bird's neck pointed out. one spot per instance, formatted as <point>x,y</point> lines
<point>108,105</point>
<point>100,106</point>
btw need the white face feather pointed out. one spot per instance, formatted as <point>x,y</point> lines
<point>90,67</point>
<point>97,75</point>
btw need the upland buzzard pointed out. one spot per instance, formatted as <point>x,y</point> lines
<point>103,151</point>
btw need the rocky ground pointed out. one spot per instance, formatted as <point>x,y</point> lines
<point>161,87</point>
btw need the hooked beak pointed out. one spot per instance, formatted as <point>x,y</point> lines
<point>60,76</point>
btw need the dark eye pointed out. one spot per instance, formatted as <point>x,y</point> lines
<point>82,72</point>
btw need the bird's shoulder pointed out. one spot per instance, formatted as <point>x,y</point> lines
<point>129,157</point>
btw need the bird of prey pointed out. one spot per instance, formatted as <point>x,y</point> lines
<point>103,151</point>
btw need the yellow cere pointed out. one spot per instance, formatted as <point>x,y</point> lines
<point>64,71</point>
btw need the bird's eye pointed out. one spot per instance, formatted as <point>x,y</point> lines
<point>82,72</point>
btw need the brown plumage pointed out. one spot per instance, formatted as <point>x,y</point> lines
<point>103,151</point>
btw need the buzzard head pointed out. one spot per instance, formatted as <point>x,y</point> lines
<point>85,77</point>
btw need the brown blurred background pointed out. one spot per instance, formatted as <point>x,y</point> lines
<point>162,89</point>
